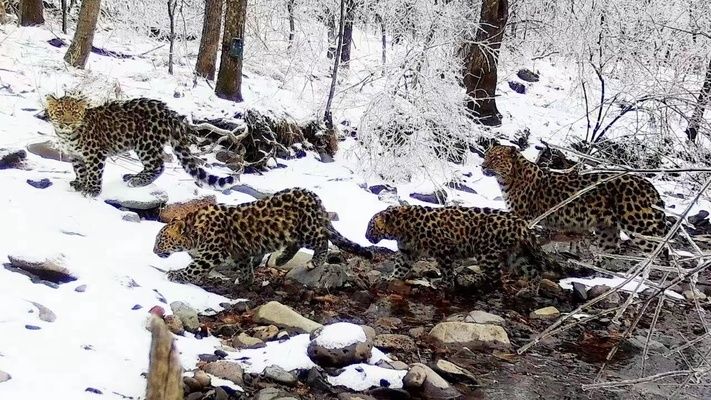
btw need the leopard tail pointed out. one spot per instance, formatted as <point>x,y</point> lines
<point>346,244</point>
<point>181,148</point>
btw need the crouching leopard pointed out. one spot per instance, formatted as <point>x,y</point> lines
<point>221,234</point>
<point>495,239</point>
<point>629,203</point>
<point>92,134</point>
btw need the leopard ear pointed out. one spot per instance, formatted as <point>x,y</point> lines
<point>380,223</point>
<point>50,99</point>
<point>179,225</point>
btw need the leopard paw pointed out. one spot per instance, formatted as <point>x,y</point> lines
<point>178,276</point>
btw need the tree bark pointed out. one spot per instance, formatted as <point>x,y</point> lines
<point>332,35</point>
<point>78,51</point>
<point>383,39</point>
<point>292,24</point>
<point>347,32</point>
<point>31,12</point>
<point>172,5</point>
<point>64,16</point>
<point>328,117</point>
<point>229,78</point>
<point>703,100</point>
<point>3,13</point>
<point>481,59</point>
<point>210,40</point>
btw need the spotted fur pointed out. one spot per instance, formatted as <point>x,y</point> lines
<point>219,234</point>
<point>91,134</point>
<point>495,239</point>
<point>628,203</point>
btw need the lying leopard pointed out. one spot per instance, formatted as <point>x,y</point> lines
<point>217,235</point>
<point>91,134</point>
<point>628,203</point>
<point>496,239</point>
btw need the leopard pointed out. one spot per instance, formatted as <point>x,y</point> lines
<point>89,135</point>
<point>216,235</point>
<point>628,203</point>
<point>497,240</point>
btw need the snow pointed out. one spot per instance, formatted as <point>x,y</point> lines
<point>339,335</point>
<point>99,339</point>
<point>633,286</point>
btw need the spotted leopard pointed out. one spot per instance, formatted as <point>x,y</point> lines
<point>629,203</point>
<point>496,239</point>
<point>219,234</point>
<point>92,134</point>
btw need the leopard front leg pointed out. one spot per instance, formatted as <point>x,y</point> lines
<point>403,265</point>
<point>194,273</point>
<point>94,172</point>
<point>79,181</point>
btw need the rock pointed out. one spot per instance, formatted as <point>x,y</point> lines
<point>45,314</point>
<point>517,87</point>
<point>551,288</point>
<point>429,383</point>
<point>696,219</point>
<point>579,292</point>
<point>354,396</point>
<point>396,365</point>
<point>284,317</point>
<point>180,210</point>
<point>377,189</point>
<point>612,300</point>
<point>694,294</point>
<point>264,333</point>
<point>209,358</point>
<point>187,315</point>
<point>638,341</point>
<point>527,75</point>
<point>450,369</point>
<point>195,396</point>
<point>416,332</point>
<point>4,376</point>
<point>202,378</point>
<point>391,342</point>
<point>278,374</point>
<point>32,327</point>
<point>437,197</point>
<point>130,216</point>
<point>466,333</point>
<point>461,187</point>
<point>43,183</point>
<point>545,313</point>
<point>192,383</point>
<point>482,317</point>
<point>12,159</point>
<point>174,324</point>
<point>154,200</point>
<point>597,290</point>
<point>269,393</point>
<point>49,151</point>
<point>50,270</point>
<point>326,276</point>
<point>340,344</point>
<point>80,289</point>
<point>225,370</point>
<point>245,341</point>
<point>299,260</point>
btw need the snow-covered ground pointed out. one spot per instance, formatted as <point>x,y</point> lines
<point>99,339</point>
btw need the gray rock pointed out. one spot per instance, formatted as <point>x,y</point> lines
<point>527,75</point>
<point>549,312</point>
<point>264,333</point>
<point>466,333</point>
<point>12,158</point>
<point>654,346</point>
<point>269,393</point>
<point>130,216</point>
<point>51,270</point>
<point>202,378</point>
<point>340,356</point>
<point>597,290</point>
<point>326,276</point>
<point>284,317</point>
<point>389,341</point>
<point>549,287</point>
<point>482,317</point>
<point>430,384</point>
<point>580,291</point>
<point>156,199</point>
<point>4,376</point>
<point>451,369</point>
<point>48,150</point>
<point>174,324</point>
<point>192,383</point>
<point>354,396</point>
<point>45,314</point>
<point>415,377</point>
<point>278,374</point>
<point>694,294</point>
<point>300,259</point>
<point>245,341</point>
<point>396,365</point>
<point>187,315</point>
<point>80,288</point>
<point>226,370</point>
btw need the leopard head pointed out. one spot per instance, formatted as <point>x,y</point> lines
<point>172,238</point>
<point>381,225</point>
<point>500,161</point>
<point>66,113</point>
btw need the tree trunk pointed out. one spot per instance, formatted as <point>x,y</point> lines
<point>3,13</point>
<point>347,35</point>
<point>210,40</point>
<point>229,78</point>
<point>172,5</point>
<point>332,35</point>
<point>31,12</point>
<point>78,51</point>
<point>292,25</point>
<point>64,16</point>
<point>383,39</point>
<point>703,100</point>
<point>480,62</point>
<point>327,117</point>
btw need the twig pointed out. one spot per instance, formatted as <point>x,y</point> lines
<point>650,378</point>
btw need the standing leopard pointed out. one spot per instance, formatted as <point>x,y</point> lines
<point>495,239</point>
<point>220,234</point>
<point>628,203</point>
<point>91,134</point>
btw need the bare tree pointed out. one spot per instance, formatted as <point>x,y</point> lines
<point>78,51</point>
<point>65,11</point>
<point>172,5</point>
<point>292,25</point>
<point>31,12</point>
<point>703,100</point>
<point>481,59</point>
<point>328,118</point>
<point>347,32</point>
<point>210,40</point>
<point>3,13</point>
<point>229,78</point>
